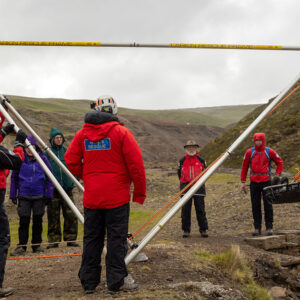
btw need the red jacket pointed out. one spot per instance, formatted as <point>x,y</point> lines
<point>107,157</point>
<point>9,160</point>
<point>190,167</point>
<point>259,164</point>
<point>2,118</point>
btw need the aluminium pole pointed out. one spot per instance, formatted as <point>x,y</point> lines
<point>44,146</point>
<point>44,166</point>
<point>149,45</point>
<point>214,167</point>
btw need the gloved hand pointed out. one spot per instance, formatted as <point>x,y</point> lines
<point>275,180</point>
<point>243,187</point>
<point>3,102</point>
<point>14,201</point>
<point>47,200</point>
<point>93,105</point>
<point>9,128</point>
<point>20,138</point>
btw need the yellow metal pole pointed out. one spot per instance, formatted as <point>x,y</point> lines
<point>153,45</point>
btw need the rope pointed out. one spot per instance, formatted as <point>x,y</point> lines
<point>43,256</point>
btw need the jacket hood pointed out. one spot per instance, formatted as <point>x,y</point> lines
<point>32,141</point>
<point>54,132</point>
<point>98,125</point>
<point>260,136</point>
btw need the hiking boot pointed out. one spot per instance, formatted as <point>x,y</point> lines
<point>270,231</point>
<point>54,245</point>
<point>89,291</point>
<point>4,292</point>
<point>256,232</point>
<point>72,244</point>
<point>38,249</point>
<point>186,234</point>
<point>204,233</point>
<point>126,287</point>
<point>18,251</point>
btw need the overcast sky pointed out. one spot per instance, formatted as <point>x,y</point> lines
<point>150,78</point>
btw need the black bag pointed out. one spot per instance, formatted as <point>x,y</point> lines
<point>283,193</point>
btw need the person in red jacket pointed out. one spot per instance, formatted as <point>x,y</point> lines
<point>107,157</point>
<point>259,159</point>
<point>189,167</point>
<point>8,161</point>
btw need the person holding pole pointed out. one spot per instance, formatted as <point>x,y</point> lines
<point>107,157</point>
<point>53,209</point>
<point>259,159</point>
<point>31,190</point>
<point>189,167</point>
<point>8,161</point>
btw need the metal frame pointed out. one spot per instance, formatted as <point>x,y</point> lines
<point>44,146</point>
<point>156,229</point>
<point>44,166</point>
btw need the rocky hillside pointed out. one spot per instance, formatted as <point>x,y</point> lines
<point>161,134</point>
<point>282,129</point>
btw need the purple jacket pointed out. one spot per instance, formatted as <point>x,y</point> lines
<point>31,181</point>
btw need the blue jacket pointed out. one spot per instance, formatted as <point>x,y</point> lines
<point>31,181</point>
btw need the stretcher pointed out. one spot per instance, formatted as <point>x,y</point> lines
<point>283,193</point>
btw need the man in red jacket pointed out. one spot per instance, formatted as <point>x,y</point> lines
<point>259,158</point>
<point>106,156</point>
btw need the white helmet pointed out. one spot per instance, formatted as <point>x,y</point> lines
<point>107,104</point>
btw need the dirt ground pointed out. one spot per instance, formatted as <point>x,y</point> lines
<point>172,268</point>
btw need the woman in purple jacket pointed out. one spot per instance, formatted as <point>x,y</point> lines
<point>31,189</point>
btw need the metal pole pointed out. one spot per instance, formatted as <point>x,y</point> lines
<point>202,180</point>
<point>44,166</point>
<point>44,146</point>
<point>149,45</point>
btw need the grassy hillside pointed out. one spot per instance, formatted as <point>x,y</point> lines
<point>210,116</point>
<point>282,134</point>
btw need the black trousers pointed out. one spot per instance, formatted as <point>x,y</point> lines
<point>200,213</point>
<point>256,190</point>
<point>25,207</point>
<point>4,236</point>
<point>96,222</point>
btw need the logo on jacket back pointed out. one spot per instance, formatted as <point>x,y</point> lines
<point>104,144</point>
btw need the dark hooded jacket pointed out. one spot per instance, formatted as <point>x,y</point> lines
<point>59,151</point>
<point>107,157</point>
<point>30,181</point>
<point>260,163</point>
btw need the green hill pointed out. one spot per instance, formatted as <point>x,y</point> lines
<point>209,116</point>
<point>282,134</point>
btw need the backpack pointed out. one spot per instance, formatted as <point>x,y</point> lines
<point>268,157</point>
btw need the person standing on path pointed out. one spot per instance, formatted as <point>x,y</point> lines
<point>58,203</point>
<point>189,167</point>
<point>31,190</point>
<point>259,159</point>
<point>107,157</point>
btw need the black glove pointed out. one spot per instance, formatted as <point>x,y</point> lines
<point>3,102</point>
<point>20,138</point>
<point>9,128</point>
<point>93,105</point>
<point>275,180</point>
<point>14,201</point>
<point>47,200</point>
